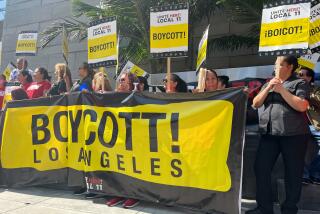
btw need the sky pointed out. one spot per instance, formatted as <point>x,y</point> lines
<point>2,6</point>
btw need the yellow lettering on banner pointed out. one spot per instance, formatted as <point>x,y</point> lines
<point>27,154</point>
<point>26,45</point>
<point>284,33</point>
<point>102,47</point>
<point>169,36</point>
<point>314,32</point>
<point>168,144</point>
<point>202,54</point>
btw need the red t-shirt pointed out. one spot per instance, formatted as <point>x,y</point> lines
<point>2,94</point>
<point>26,86</point>
<point>36,89</point>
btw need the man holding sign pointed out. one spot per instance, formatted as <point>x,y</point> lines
<point>22,65</point>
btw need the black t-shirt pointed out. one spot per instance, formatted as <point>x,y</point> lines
<point>278,117</point>
<point>85,83</point>
<point>58,88</point>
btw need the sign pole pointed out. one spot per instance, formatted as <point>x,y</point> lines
<point>168,74</point>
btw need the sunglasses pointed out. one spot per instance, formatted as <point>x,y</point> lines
<point>122,80</point>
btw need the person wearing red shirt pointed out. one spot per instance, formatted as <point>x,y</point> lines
<point>40,85</point>
<point>25,79</point>
<point>2,89</point>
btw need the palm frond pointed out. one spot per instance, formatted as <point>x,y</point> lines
<point>232,42</point>
<point>75,30</point>
<point>244,12</point>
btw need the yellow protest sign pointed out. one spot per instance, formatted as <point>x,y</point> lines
<point>309,60</point>
<point>169,31</point>
<point>202,49</point>
<point>102,43</point>
<point>285,28</point>
<point>27,43</point>
<point>130,67</point>
<point>10,67</point>
<point>314,41</point>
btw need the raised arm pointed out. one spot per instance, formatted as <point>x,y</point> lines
<point>260,98</point>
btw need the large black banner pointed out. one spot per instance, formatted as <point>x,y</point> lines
<point>175,149</point>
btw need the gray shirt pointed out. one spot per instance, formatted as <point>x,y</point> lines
<point>278,117</point>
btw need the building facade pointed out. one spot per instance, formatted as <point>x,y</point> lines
<point>37,15</point>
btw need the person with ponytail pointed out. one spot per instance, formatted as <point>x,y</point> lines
<point>284,130</point>
<point>175,85</point>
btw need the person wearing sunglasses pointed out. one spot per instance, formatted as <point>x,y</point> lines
<point>307,74</point>
<point>311,172</point>
<point>127,82</point>
<point>176,84</point>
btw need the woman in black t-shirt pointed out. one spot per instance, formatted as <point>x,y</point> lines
<point>63,80</point>
<point>285,131</point>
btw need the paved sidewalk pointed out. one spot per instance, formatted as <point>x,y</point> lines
<point>50,201</point>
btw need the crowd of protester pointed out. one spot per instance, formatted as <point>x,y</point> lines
<point>38,83</point>
<point>282,121</point>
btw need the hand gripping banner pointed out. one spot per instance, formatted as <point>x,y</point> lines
<point>102,43</point>
<point>169,31</point>
<point>27,43</point>
<point>285,28</point>
<point>175,149</point>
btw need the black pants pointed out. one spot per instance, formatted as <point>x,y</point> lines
<point>293,149</point>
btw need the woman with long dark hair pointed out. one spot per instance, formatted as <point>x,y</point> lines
<point>40,85</point>
<point>285,131</point>
<point>210,81</point>
<point>25,79</point>
<point>176,84</point>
